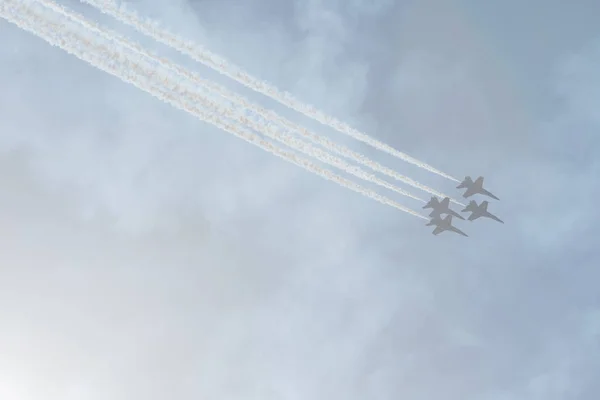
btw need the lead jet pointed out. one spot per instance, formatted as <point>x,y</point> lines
<point>441,207</point>
<point>444,225</point>
<point>474,187</point>
<point>480,210</point>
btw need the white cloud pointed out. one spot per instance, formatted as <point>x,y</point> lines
<point>207,268</point>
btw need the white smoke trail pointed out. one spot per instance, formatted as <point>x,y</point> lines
<point>219,64</point>
<point>144,76</point>
<point>268,114</point>
<point>270,131</point>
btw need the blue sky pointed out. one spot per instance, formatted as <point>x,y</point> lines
<point>145,254</point>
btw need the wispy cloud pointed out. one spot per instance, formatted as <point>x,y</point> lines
<point>298,290</point>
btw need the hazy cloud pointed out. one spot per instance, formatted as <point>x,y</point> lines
<point>145,254</point>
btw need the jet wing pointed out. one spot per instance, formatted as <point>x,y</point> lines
<point>454,213</point>
<point>435,213</point>
<point>470,192</point>
<point>462,185</point>
<point>486,193</point>
<point>492,216</point>
<point>438,230</point>
<point>474,216</point>
<point>455,229</point>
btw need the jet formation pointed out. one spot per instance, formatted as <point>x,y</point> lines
<point>477,211</point>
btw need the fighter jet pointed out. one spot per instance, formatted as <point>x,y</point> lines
<point>480,210</point>
<point>474,187</point>
<point>444,225</point>
<point>440,208</point>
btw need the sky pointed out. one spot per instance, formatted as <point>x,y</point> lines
<point>145,254</point>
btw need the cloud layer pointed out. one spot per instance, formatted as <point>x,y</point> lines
<point>139,259</point>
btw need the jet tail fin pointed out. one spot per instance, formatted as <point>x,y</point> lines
<point>465,183</point>
<point>470,207</point>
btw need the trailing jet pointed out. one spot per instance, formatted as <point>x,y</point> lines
<point>441,207</point>
<point>444,225</point>
<point>480,210</point>
<point>474,187</point>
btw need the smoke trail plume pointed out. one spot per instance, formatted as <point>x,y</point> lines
<point>219,64</point>
<point>118,62</point>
